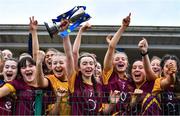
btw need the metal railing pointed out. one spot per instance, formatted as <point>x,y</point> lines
<point>40,101</point>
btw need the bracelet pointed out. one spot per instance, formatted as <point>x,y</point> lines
<point>143,54</point>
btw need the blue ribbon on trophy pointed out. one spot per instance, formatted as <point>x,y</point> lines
<point>75,16</point>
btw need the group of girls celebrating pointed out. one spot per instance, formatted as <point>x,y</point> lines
<point>74,83</point>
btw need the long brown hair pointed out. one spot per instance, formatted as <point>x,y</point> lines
<point>86,54</point>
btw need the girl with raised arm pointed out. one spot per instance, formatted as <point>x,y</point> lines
<point>58,81</point>
<point>142,100</point>
<point>115,75</point>
<point>84,98</point>
<point>164,82</point>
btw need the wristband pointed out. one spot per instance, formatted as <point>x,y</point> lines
<point>143,54</point>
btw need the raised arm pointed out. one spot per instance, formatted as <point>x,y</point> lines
<point>170,76</point>
<point>41,80</point>
<point>112,44</point>
<point>143,47</point>
<point>77,43</point>
<point>69,56</point>
<point>33,25</point>
<point>68,51</point>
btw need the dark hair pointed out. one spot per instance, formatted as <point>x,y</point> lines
<point>46,71</point>
<point>170,57</point>
<point>22,63</point>
<point>175,58</point>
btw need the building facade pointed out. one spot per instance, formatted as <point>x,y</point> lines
<point>162,39</point>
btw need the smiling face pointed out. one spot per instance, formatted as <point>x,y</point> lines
<point>27,69</point>
<point>7,54</point>
<point>138,72</point>
<point>48,59</point>
<point>10,70</point>
<point>59,65</point>
<point>98,70</point>
<point>87,66</point>
<point>28,72</point>
<point>155,64</point>
<point>120,62</point>
<point>167,64</point>
<point>170,65</point>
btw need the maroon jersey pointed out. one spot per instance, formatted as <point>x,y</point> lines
<point>147,101</point>
<point>84,100</point>
<point>25,103</point>
<point>147,87</point>
<point>7,103</point>
<point>126,86</point>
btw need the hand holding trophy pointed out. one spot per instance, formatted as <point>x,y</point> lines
<point>68,21</point>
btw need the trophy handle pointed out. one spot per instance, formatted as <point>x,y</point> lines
<point>51,30</point>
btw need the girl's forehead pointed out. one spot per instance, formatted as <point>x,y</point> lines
<point>87,58</point>
<point>10,62</point>
<point>170,61</point>
<point>138,63</point>
<point>28,62</point>
<point>120,55</point>
<point>155,60</point>
<point>58,58</point>
<point>50,52</point>
<point>6,52</point>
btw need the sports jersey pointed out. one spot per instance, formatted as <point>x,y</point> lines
<point>125,85</point>
<point>84,99</point>
<point>148,104</point>
<point>64,103</point>
<point>169,101</point>
<point>7,103</point>
<point>25,103</point>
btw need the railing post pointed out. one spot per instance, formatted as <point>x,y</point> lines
<point>38,102</point>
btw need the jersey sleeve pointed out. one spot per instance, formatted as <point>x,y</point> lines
<point>157,87</point>
<point>72,82</point>
<point>11,88</point>
<point>106,75</point>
